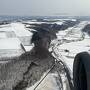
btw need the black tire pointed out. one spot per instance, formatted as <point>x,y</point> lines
<point>79,74</point>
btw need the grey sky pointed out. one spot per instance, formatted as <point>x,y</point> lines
<point>44,7</point>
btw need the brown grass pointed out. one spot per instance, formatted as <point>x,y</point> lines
<point>24,70</point>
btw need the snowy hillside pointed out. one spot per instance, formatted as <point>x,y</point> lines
<point>19,31</point>
<point>70,42</point>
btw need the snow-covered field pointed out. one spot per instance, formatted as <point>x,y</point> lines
<point>70,42</point>
<point>18,31</point>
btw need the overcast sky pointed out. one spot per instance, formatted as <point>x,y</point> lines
<point>44,7</point>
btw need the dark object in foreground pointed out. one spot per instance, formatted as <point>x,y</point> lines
<point>81,71</point>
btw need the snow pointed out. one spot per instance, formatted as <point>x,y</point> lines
<point>8,28</point>
<point>20,29</point>
<point>34,22</point>
<point>28,48</point>
<point>10,48</point>
<point>17,30</point>
<point>73,40</point>
<point>74,48</point>
<point>59,22</point>
<point>3,35</point>
<point>6,25</point>
<point>11,43</point>
<point>46,85</point>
